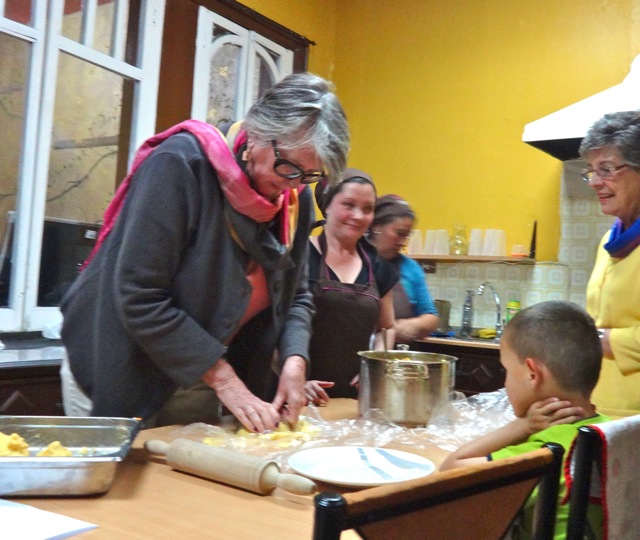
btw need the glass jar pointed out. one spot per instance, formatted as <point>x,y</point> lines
<point>458,245</point>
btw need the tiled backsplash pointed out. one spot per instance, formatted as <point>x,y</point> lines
<point>582,227</point>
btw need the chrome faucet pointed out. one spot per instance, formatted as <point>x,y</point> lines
<point>499,311</point>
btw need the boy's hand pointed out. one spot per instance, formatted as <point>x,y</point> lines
<point>316,393</point>
<point>551,412</point>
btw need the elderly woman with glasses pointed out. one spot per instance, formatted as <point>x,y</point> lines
<point>197,291</point>
<point>612,151</point>
<point>416,315</point>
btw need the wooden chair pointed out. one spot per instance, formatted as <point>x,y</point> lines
<point>602,470</point>
<point>478,502</point>
<point>588,457</point>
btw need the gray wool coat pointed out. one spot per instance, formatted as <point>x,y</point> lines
<point>166,290</point>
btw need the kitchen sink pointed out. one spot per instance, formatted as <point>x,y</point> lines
<point>455,338</point>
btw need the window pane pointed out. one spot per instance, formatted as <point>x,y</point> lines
<point>99,25</point>
<point>19,10</point>
<point>263,78</point>
<point>14,62</point>
<point>223,81</point>
<point>104,27</point>
<point>72,22</point>
<point>82,169</point>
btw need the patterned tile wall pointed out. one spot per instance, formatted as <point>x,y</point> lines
<point>529,284</point>
<point>582,227</point>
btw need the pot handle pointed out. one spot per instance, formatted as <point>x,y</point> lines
<point>406,370</point>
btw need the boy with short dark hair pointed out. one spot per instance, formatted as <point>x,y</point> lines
<point>551,353</point>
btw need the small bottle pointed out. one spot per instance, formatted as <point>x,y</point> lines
<point>513,307</point>
<point>467,315</point>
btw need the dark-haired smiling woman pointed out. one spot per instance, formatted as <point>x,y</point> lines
<point>612,151</point>
<point>351,287</point>
<point>200,278</point>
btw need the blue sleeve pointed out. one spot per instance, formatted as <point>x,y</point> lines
<point>415,285</point>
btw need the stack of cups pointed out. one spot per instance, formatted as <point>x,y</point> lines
<point>437,242</point>
<point>442,242</point>
<point>475,242</point>
<point>495,243</point>
<point>414,246</point>
<point>430,242</point>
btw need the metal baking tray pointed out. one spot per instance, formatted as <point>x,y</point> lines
<point>97,444</point>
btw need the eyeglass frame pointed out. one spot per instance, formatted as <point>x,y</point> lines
<point>588,173</point>
<point>300,174</point>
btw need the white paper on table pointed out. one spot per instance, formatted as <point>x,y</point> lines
<point>29,523</point>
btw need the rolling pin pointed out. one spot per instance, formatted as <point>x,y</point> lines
<point>253,473</point>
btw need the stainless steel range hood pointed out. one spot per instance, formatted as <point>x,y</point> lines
<point>560,133</point>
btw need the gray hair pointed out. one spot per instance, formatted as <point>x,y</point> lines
<point>620,130</point>
<point>302,110</point>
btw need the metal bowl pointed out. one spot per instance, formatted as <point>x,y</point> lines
<point>97,446</point>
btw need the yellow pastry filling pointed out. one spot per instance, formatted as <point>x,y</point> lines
<point>283,436</point>
<point>15,445</point>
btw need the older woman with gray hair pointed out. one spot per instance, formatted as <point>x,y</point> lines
<point>612,151</point>
<point>197,290</point>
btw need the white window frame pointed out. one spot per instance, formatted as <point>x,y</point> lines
<point>23,313</point>
<point>252,45</point>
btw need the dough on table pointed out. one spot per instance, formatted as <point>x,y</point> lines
<point>283,436</point>
<point>54,449</point>
<point>15,445</point>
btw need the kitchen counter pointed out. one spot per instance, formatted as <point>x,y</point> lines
<point>25,349</point>
<point>151,500</point>
<point>478,368</point>
<point>462,342</point>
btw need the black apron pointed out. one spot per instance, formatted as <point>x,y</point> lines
<point>402,308</point>
<point>345,319</point>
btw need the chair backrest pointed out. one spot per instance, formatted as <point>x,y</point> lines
<point>601,468</point>
<point>477,501</point>
<point>586,459</point>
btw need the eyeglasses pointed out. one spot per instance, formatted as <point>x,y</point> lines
<point>604,173</point>
<point>285,169</point>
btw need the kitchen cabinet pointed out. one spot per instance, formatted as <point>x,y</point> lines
<point>31,390</point>
<point>30,375</point>
<point>478,368</point>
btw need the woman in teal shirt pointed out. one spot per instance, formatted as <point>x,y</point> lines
<point>415,312</point>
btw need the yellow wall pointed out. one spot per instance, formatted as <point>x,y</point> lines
<point>438,93</point>
<point>314,19</point>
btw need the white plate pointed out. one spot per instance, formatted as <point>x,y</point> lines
<point>344,466</point>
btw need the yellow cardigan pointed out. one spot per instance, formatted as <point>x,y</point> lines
<point>613,300</point>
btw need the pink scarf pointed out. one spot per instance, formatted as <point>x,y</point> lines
<point>234,182</point>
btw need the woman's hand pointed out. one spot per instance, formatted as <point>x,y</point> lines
<point>291,396</point>
<point>551,412</point>
<point>251,411</point>
<point>316,393</point>
<point>408,330</point>
<point>607,352</point>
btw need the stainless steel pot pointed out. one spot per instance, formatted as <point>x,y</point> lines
<point>408,386</point>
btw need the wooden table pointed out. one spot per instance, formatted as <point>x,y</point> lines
<point>149,500</point>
